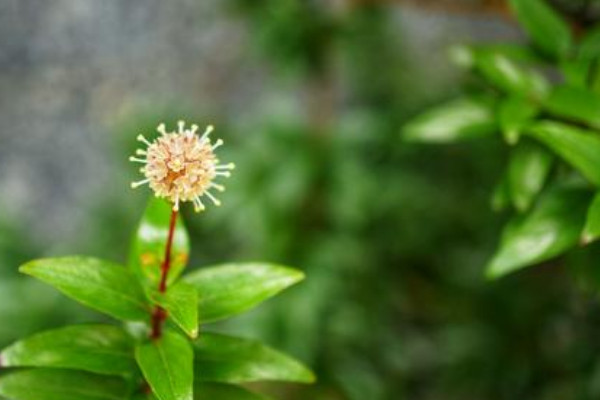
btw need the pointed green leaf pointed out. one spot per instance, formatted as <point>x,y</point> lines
<point>148,249</point>
<point>580,148</point>
<point>551,228</point>
<point>578,104</point>
<point>230,289</point>
<point>103,349</point>
<point>220,391</point>
<point>514,114</point>
<point>98,284</point>
<point>591,231</point>
<point>52,384</point>
<point>457,120</point>
<point>167,365</point>
<point>220,358</point>
<point>181,302</point>
<point>527,172</point>
<point>545,27</point>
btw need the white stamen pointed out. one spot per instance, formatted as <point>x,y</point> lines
<point>226,174</point>
<point>220,188</point>
<point>207,132</point>
<point>133,159</point>
<point>198,205</point>
<point>194,128</point>
<point>181,125</point>
<point>142,139</point>
<point>140,152</point>
<point>139,183</point>
<point>162,129</point>
<point>229,166</point>
<point>217,144</point>
<point>212,198</point>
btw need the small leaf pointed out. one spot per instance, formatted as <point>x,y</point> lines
<point>220,358</point>
<point>148,249</point>
<point>181,302</point>
<point>514,114</point>
<point>580,148</point>
<point>167,365</point>
<point>230,289</point>
<point>220,391</point>
<point>548,230</point>
<point>545,27</point>
<point>103,349</point>
<point>578,104</point>
<point>52,384</point>
<point>457,120</point>
<point>591,231</point>
<point>98,284</point>
<point>527,172</point>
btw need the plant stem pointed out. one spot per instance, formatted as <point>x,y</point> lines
<point>159,315</point>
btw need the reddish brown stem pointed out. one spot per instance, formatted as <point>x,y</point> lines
<point>159,315</point>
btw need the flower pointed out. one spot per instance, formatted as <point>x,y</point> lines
<point>182,166</point>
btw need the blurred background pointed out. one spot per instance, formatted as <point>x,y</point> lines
<point>310,96</point>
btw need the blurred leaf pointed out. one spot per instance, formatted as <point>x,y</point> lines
<point>457,120</point>
<point>501,194</point>
<point>220,391</point>
<point>591,231</point>
<point>103,349</point>
<point>589,48</point>
<point>220,358</point>
<point>576,72</point>
<point>167,365</point>
<point>148,249</point>
<point>528,169</point>
<point>514,114</point>
<point>545,27</point>
<point>574,103</point>
<point>51,384</point>
<point>578,147</point>
<point>98,284</point>
<point>181,302</point>
<point>551,228</point>
<point>230,289</point>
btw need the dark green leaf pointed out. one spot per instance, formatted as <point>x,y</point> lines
<point>578,147</point>
<point>101,285</point>
<point>501,195</point>
<point>545,27</point>
<point>231,289</point>
<point>51,384</point>
<point>148,249</point>
<point>551,228</point>
<point>578,104</point>
<point>167,365</point>
<point>103,349</point>
<point>591,231</point>
<point>220,391</point>
<point>589,48</point>
<point>181,302</point>
<point>220,358</point>
<point>514,114</point>
<point>527,172</point>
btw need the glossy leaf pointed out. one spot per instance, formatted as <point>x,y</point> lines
<point>102,349</point>
<point>181,302</point>
<point>167,365</point>
<point>528,169</point>
<point>548,230</point>
<point>53,384</point>
<point>98,284</point>
<point>220,358</point>
<point>457,120</point>
<point>591,231</point>
<point>580,148</point>
<point>230,289</point>
<point>220,391</point>
<point>578,104</point>
<point>148,249</point>
<point>514,114</point>
<point>544,26</point>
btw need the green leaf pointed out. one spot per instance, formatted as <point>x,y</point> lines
<point>580,148</point>
<point>577,104</point>
<point>220,358</point>
<point>548,230</point>
<point>220,391</point>
<point>514,114</point>
<point>591,231</point>
<point>589,47</point>
<point>98,284</point>
<point>528,169</point>
<point>51,384</point>
<point>230,289</point>
<point>457,120</point>
<point>103,349</point>
<point>181,302</point>
<point>576,72</point>
<point>501,195</point>
<point>544,26</point>
<point>148,249</point>
<point>167,365</point>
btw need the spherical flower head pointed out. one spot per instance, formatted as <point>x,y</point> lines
<point>182,166</point>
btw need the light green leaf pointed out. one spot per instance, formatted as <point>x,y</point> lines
<point>545,27</point>
<point>551,228</point>
<point>103,349</point>
<point>457,120</point>
<point>578,104</point>
<point>167,365</point>
<point>220,391</point>
<point>98,284</point>
<point>181,302</point>
<point>591,231</point>
<point>528,169</point>
<point>220,358</point>
<point>52,384</point>
<point>580,148</point>
<point>230,289</point>
<point>576,72</point>
<point>514,114</point>
<point>148,249</point>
